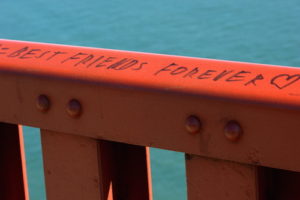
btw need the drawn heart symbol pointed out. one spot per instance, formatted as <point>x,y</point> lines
<point>283,80</point>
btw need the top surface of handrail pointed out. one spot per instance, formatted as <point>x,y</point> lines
<point>214,78</point>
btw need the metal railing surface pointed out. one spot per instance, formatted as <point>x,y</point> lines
<point>100,110</point>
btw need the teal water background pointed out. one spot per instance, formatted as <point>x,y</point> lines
<point>258,31</point>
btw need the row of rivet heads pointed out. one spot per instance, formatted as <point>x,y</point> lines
<point>232,129</point>
<point>74,108</point>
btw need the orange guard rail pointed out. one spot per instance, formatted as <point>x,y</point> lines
<point>99,110</point>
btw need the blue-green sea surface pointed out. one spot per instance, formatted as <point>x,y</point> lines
<point>261,31</point>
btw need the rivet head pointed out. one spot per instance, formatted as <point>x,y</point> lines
<point>233,131</point>
<point>74,108</point>
<point>43,103</point>
<point>193,124</point>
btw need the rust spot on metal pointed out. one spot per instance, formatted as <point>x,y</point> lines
<point>253,157</point>
<point>48,172</point>
<point>43,103</point>
<point>233,131</point>
<point>193,124</point>
<point>74,108</point>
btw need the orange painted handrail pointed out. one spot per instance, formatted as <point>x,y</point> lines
<point>215,78</point>
<point>99,110</point>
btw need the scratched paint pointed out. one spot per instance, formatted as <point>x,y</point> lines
<point>201,76</point>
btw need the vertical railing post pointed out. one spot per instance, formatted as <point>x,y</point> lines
<point>13,180</point>
<point>80,168</point>
<point>125,171</point>
<point>214,179</point>
<point>70,166</point>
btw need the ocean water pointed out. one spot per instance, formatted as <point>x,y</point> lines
<point>258,31</point>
